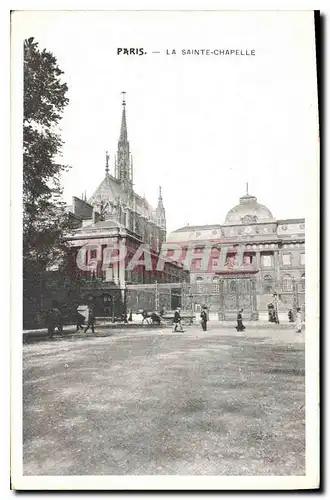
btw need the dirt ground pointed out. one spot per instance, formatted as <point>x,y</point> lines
<point>154,402</point>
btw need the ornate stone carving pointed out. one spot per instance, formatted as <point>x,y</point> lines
<point>249,219</point>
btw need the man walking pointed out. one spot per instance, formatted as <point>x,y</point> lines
<point>298,320</point>
<point>204,318</point>
<point>177,321</point>
<point>240,327</point>
<point>80,317</point>
<point>91,318</point>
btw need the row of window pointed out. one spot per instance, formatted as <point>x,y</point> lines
<point>200,285</point>
<point>266,260</point>
<point>287,284</point>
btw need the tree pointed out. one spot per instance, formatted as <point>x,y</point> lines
<point>44,218</point>
<point>44,102</point>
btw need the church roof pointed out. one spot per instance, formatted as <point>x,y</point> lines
<point>110,189</point>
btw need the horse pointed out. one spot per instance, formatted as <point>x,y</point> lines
<point>151,318</point>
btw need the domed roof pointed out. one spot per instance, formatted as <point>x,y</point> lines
<point>248,211</point>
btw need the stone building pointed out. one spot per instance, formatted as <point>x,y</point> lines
<point>254,260</point>
<point>116,215</point>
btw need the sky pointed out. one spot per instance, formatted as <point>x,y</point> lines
<point>199,126</point>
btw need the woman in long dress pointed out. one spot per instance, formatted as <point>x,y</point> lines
<point>298,321</point>
<point>240,327</point>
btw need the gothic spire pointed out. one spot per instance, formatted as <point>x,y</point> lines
<point>160,198</point>
<point>107,156</point>
<point>123,128</point>
<point>124,170</point>
<point>160,211</point>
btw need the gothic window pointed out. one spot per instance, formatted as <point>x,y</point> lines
<point>268,283</point>
<point>287,285</point>
<point>302,259</point>
<point>216,285</point>
<point>286,259</point>
<point>199,284</point>
<point>266,260</point>
<point>93,254</point>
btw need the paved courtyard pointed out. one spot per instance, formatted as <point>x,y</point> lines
<point>154,402</point>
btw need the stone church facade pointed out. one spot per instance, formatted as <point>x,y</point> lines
<point>116,215</point>
<point>254,260</point>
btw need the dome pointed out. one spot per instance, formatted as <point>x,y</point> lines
<point>248,211</point>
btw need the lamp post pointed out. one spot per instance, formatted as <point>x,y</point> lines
<point>295,296</point>
<point>156,296</point>
<point>276,310</point>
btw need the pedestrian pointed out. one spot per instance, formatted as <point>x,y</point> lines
<point>298,320</point>
<point>177,320</point>
<point>54,319</point>
<point>80,317</point>
<point>124,317</point>
<point>270,313</point>
<point>145,317</point>
<point>240,327</point>
<point>91,318</point>
<point>290,316</point>
<point>130,317</point>
<point>204,318</point>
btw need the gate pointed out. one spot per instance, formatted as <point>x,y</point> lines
<point>176,299</point>
<point>237,293</point>
<point>158,297</point>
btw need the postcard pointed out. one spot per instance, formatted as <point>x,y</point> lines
<point>165,196</point>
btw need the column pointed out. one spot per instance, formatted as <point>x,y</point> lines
<point>121,265</point>
<point>277,266</point>
<point>258,259</point>
<point>156,297</point>
<point>255,314</point>
<point>258,283</point>
<point>221,313</point>
<point>240,255</point>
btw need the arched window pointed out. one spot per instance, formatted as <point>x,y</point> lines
<point>268,284</point>
<point>287,285</point>
<point>199,284</point>
<point>216,284</point>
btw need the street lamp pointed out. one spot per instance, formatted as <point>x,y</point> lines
<point>276,311</point>
<point>295,295</point>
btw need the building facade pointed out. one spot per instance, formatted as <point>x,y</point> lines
<point>116,217</point>
<point>250,261</point>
